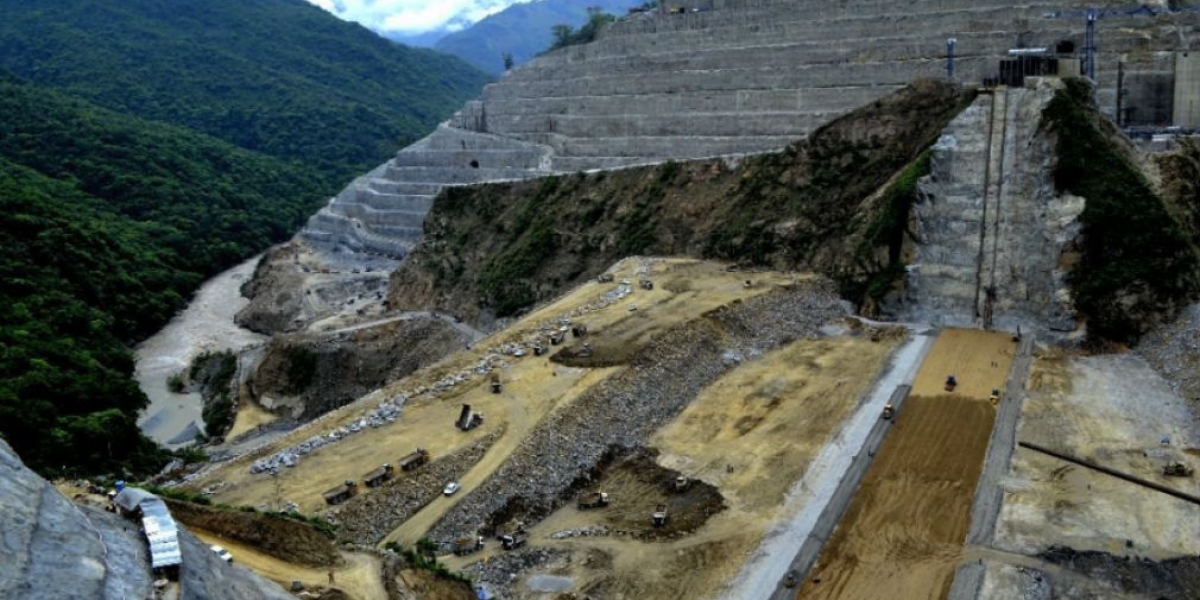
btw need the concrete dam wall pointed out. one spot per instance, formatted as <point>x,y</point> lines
<point>738,77</point>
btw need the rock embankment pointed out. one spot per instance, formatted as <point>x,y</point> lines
<point>1173,350</point>
<point>625,409</point>
<point>281,537</point>
<point>368,517</point>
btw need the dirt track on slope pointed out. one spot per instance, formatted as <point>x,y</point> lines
<point>902,534</point>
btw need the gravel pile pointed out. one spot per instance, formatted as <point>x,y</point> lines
<point>368,517</point>
<point>1174,351</point>
<point>626,408</point>
<point>386,412</point>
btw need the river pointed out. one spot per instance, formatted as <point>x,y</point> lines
<point>205,325</point>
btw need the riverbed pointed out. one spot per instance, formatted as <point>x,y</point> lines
<point>205,325</point>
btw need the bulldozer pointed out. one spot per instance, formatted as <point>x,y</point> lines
<point>1177,469</point>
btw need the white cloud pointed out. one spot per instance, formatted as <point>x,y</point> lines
<point>414,16</point>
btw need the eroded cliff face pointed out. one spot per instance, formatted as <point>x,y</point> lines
<point>494,250</point>
<point>54,549</point>
<point>302,376</point>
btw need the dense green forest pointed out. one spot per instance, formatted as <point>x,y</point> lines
<point>108,222</point>
<point>281,77</point>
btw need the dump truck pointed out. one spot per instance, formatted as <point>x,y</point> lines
<point>414,460</point>
<point>584,351</point>
<point>495,383</point>
<point>468,419</point>
<point>593,500</point>
<point>557,337</point>
<point>579,330</point>
<point>605,278</point>
<point>538,349</point>
<point>341,493</point>
<point>512,541</point>
<point>1177,469</point>
<point>510,528</point>
<point>377,477</point>
<point>646,284</point>
<point>889,411</point>
<point>682,483</point>
<point>659,518</point>
<point>468,545</point>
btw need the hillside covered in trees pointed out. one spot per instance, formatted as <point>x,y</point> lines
<point>108,223</point>
<point>281,77</point>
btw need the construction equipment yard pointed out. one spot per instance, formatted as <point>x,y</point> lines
<point>743,472</point>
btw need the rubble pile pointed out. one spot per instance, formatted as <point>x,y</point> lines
<point>368,518</point>
<point>501,570</point>
<point>1174,351</point>
<point>625,409</point>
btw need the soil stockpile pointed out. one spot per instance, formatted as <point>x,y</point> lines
<point>281,537</point>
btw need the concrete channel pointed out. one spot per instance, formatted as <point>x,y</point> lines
<point>832,514</point>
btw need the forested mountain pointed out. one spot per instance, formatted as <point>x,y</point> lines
<point>522,30</point>
<point>280,77</point>
<point>107,223</point>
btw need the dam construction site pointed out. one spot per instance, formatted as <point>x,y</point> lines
<point>757,299</point>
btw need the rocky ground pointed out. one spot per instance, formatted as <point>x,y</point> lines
<point>367,518</point>
<point>1174,351</point>
<point>563,451</point>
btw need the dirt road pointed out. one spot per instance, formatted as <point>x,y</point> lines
<point>902,535</point>
<point>360,577</point>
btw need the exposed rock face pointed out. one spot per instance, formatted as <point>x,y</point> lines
<point>743,76</point>
<point>55,550</point>
<point>994,238</point>
<point>306,375</point>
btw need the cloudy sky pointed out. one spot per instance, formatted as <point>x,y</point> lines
<point>414,16</point>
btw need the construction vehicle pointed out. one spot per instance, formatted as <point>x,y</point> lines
<point>593,500</point>
<point>496,383</point>
<point>377,477</point>
<point>468,419</point>
<point>585,351</point>
<point>414,460</point>
<point>605,278</point>
<point>889,411</point>
<point>660,515</point>
<point>512,541</point>
<point>995,397</point>
<point>511,528</point>
<point>579,330</point>
<point>682,483</point>
<point>467,545</point>
<point>341,493</point>
<point>1177,469</point>
<point>646,284</point>
<point>951,383</point>
<point>538,349</point>
<point>557,337</point>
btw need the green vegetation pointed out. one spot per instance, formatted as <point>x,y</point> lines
<point>504,282</point>
<point>424,557</point>
<point>1137,263</point>
<point>280,77</point>
<point>300,370</point>
<point>108,223</point>
<point>887,230</point>
<point>565,35</point>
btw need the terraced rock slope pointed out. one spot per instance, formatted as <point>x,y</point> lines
<point>742,76</point>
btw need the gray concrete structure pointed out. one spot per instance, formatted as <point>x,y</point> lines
<point>744,76</point>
